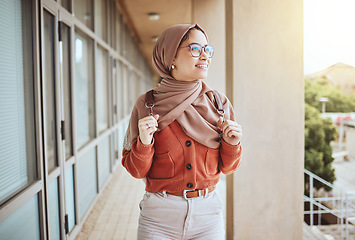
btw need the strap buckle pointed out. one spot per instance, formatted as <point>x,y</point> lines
<point>184,193</point>
<point>150,108</point>
<point>221,113</point>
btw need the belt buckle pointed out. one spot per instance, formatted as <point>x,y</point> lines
<point>185,192</point>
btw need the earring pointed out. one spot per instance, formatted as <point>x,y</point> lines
<point>172,66</point>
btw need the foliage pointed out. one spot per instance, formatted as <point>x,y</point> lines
<point>337,100</point>
<point>319,133</point>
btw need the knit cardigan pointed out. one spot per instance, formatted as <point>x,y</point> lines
<point>174,161</point>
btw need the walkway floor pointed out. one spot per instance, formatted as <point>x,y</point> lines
<point>115,214</point>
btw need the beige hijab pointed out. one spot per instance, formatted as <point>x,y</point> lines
<point>191,104</point>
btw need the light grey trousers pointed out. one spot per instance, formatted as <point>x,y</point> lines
<point>165,216</point>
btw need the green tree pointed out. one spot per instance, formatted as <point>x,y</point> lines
<point>319,133</point>
<point>337,100</point>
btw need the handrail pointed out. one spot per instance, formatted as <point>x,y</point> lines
<point>341,211</point>
<point>318,178</point>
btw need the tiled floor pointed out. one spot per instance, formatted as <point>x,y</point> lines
<point>115,215</point>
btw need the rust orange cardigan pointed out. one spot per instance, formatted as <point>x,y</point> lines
<point>174,161</point>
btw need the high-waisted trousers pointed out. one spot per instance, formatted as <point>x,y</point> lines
<point>164,216</point>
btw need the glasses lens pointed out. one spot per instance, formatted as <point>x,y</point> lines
<point>195,50</point>
<point>209,50</point>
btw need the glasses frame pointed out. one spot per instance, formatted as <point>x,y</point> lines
<point>202,48</point>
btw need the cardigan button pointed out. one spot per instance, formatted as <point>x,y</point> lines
<point>188,166</point>
<point>189,185</point>
<point>188,143</point>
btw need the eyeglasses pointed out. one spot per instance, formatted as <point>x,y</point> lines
<point>196,50</point>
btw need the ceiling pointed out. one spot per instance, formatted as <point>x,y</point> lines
<point>170,12</point>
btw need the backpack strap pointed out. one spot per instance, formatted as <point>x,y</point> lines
<point>149,101</point>
<point>218,104</point>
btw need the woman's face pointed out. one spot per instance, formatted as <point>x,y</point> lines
<point>187,67</point>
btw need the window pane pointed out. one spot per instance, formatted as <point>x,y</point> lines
<point>120,137</point>
<point>84,90</point>
<point>87,180</point>
<point>53,202</point>
<point>104,160</point>
<point>66,4</point>
<point>112,23</point>
<point>122,40</point>
<point>67,91</point>
<point>124,91</point>
<point>118,31</point>
<point>131,90</point>
<point>101,89</point>
<point>83,11</point>
<point>114,92</point>
<point>23,223</point>
<point>49,92</point>
<point>69,196</point>
<point>17,122</point>
<point>115,145</point>
<point>119,91</point>
<point>100,19</point>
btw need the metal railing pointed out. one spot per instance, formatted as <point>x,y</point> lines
<point>336,202</point>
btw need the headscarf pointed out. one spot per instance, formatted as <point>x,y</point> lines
<point>190,103</point>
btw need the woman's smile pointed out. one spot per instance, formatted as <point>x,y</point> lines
<point>202,66</point>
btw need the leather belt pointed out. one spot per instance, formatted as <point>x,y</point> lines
<point>192,193</point>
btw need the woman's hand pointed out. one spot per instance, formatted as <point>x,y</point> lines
<point>147,127</point>
<point>232,131</point>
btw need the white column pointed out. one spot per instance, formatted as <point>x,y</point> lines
<point>269,99</point>
<point>210,15</point>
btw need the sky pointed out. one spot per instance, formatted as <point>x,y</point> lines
<point>329,33</point>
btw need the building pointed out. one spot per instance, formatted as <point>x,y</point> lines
<point>338,75</point>
<point>71,70</point>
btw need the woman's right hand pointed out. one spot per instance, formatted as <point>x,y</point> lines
<point>147,127</point>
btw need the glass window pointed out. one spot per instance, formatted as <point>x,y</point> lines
<point>100,19</point>
<point>84,89</point>
<point>131,90</point>
<point>83,10</point>
<point>113,12</point>
<point>119,91</point>
<point>128,44</point>
<point>115,145</point>
<point>120,135</point>
<point>66,5</point>
<point>114,91</point>
<point>53,201</point>
<point>87,180</point>
<point>102,89</point>
<point>123,38</point>
<point>23,223</point>
<point>49,92</point>
<point>118,31</point>
<point>69,196</point>
<point>124,91</point>
<point>104,160</point>
<point>65,62</point>
<point>17,121</point>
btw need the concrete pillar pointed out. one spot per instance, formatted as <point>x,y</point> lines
<point>267,88</point>
<point>210,15</point>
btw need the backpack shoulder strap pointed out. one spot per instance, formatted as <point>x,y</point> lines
<point>149,101</point>
<point>218,101</point>
<point>218,104</point>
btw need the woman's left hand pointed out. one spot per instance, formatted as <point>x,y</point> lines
<point>232,131</point>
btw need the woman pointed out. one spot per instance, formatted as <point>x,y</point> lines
<point>180,142</point>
